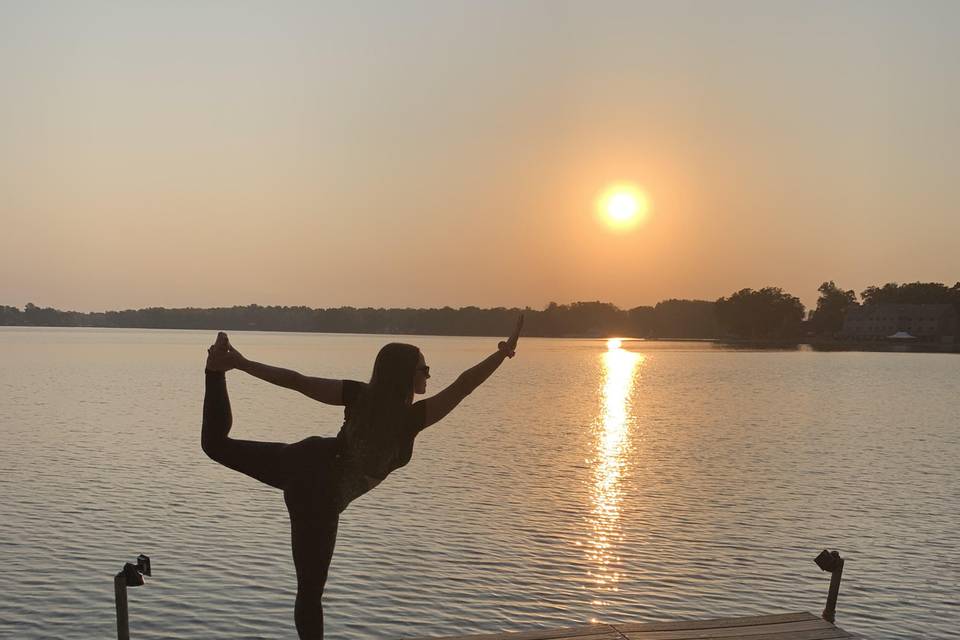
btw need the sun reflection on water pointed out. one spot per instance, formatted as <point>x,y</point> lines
<point>612,452</point>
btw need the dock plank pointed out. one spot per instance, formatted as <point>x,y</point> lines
<point>783,626</point>
<point>740,621</point>
<point>748,633</point>
<point>588,632</point>
<point>776,630</point>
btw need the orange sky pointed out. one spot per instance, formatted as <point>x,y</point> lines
<point>448,153</point>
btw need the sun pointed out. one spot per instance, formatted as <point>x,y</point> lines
<point>622,206</point>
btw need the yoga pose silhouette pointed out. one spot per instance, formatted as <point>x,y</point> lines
<point>320,476</point>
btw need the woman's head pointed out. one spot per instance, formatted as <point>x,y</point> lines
<point>399,372</point>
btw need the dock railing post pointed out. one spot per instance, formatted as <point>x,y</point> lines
<point>832,562</point>
<point>130,576</point>
<point>120,592</point>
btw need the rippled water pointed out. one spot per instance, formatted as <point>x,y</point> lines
<point>656,481</point>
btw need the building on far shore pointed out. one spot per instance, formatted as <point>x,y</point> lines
<point>928,322</point>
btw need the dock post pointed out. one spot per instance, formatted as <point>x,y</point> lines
<point>130,576</point>
<point>832,562</point>
<point>120,593</point>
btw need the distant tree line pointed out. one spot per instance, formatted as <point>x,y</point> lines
<point>670,318</point>
<point>764,314</point>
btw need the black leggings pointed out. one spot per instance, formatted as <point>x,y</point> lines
<point>307,472</point>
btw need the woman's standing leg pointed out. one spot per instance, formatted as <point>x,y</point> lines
<point>314,516</point>
<point>313,533</point>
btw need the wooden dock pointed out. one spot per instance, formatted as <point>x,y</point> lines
<point>785,626</point>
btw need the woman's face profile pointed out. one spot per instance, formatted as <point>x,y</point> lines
<point>420,376</point>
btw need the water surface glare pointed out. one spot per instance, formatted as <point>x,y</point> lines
<point>584,482</point>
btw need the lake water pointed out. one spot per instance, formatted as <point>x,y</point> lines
<point>652,482</point>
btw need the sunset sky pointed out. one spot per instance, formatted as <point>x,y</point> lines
<point>452,153</point>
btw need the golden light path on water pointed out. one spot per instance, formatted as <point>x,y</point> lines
<point>612,451</point>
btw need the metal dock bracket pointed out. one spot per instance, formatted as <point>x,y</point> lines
<point>832,562</point>
<point>130,576</point>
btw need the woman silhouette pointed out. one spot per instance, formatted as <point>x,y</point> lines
<point>320,476</point>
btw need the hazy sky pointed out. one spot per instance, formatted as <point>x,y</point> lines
<point>450,153</point>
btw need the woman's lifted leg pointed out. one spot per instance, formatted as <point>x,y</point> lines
<point>263,461</point>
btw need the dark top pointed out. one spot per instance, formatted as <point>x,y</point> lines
<point>368,458</point>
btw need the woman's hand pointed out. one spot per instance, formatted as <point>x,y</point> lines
<point>221,356</point>
<point>509,346</point>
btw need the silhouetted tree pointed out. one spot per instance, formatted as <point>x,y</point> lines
<point>764,314</point>
<point>641,322</point>
<point>685,319</point>
<point>10,316</point>
<point>831,308</point>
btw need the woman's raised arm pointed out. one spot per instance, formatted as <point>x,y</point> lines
<point>444,402</point>
<point>324,390</point>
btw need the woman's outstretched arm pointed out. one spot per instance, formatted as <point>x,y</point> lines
<point>321,389</point>
<point>444,402</point>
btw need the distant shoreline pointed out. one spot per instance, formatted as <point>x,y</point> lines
<point>767,318</point>
<point>845,345</point>
<point>731,343</point>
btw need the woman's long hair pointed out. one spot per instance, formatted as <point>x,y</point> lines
<point>394,370</point>
<point>373,421</point>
